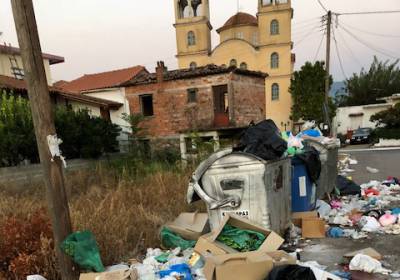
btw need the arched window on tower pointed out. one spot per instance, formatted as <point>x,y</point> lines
<point>243,66</point>
<point>197,7</point>
<point>233,62</point>
<point>191,38</point>
<point>266,2</point>
<point>274,60</point>
<point>274,27</point>
<point>275,92</point>
<point>193,65</point>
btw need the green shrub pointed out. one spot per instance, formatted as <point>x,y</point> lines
<point>385,133</point>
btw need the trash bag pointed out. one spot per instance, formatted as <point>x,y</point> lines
<point>183,270</point>
<point>311,159</point>
<point>171,240</point>
<point>241,239</point>
<point>291,272</point>
<point>83,249</point>
<point>347,187</point>
<point>263,140</point>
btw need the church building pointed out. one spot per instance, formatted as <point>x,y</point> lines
<point>258,43</point>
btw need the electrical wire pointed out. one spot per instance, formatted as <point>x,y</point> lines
<point>368,45</point>
<point>370,33</point>
<point>319,47</point>
<point>322,6</point>
<point>338,54</point>
<point>348,48</point>
<point>369,13</point>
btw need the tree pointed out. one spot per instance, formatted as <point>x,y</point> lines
<point>389,118</point>
<point>381,80</point>
<point>308,93</point>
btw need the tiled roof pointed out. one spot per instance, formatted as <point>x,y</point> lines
<point>53,59</point>
<point>20,86</point>
<point>102,80</point>
<point>210,69</point>
<point>238,20</point>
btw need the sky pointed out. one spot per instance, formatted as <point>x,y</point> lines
<point>104,35</point>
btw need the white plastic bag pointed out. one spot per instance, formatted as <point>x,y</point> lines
<point>365,263</point>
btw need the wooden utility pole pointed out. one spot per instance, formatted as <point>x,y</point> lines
<point>327,66</point>
<point>43,120</point>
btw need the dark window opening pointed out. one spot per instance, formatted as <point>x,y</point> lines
<point>221,104</point>
<point>105,113</point>
<point>18,73</point>
<point>233,62</point>
<point>146,102</point>
<point>243,66</point>
<point>192,95</point>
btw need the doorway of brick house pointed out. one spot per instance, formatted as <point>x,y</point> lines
<point>221,106</point>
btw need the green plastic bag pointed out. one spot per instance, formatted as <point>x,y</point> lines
<point>171,240</point>
<point>83,249</point>
<point>241,239</point>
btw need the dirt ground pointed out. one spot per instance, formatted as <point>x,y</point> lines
<point>330,251</point>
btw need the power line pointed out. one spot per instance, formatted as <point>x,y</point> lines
<point>370,33</point>
<point>338,54</point>
<point>368,45</point>
<point>319,47</point>
<point>349,49</point>
<point>368,13</point>
<point>322,6</point>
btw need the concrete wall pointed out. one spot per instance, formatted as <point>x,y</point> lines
<point>117,95</point>
<point>5,66</point>
<point>353,117</point>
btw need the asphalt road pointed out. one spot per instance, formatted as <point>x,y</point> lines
<point>386,161</point>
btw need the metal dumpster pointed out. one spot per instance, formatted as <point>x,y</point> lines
<point>244,184</point>
<point>329,171</point>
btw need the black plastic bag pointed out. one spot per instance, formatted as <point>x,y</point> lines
<point>263,140</point>
<point>311,159</point>
<point>346,186</point>
<point>291,272</point>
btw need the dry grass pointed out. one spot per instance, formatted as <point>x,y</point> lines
<point>124,214</point>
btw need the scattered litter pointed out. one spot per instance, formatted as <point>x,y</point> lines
<point>372,170</point>
<point>367,251</point>
<point>366,263</point>
<point>35,277</point>
<point>387,220</point>
<point>369,224</point>
<point>335,232</point>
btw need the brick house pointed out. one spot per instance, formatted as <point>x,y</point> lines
<point>213,101</point>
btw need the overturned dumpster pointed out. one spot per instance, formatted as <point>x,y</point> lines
<point>246,185</point>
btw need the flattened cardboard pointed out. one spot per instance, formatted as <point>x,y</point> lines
<point>281,258</point>
<point>190,225</point>
<point>205,246</point>
<point>367,251</point>
<point>112,275</point>
<point>272,242</point>
<point>297,217</point>
<point>313,228</point>
<point>243,266</point>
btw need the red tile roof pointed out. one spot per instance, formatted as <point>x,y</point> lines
<point>20,86</point>
<point>53,59</point>
<point>238,20</point>
<point>103,80</point>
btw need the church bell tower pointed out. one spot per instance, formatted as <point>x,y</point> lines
<point>193,31</point>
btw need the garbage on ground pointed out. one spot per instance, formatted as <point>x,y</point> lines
<point>83,249</point>
<point>190,226</point>
<point>367,251</point>
<point>169,239</point>
<point>367,264</point>
<point>293,271</point>
<point>313,228</point>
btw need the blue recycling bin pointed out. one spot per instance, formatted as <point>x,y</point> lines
<point>303,189</point>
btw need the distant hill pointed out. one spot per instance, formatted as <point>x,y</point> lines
<point>338,88</point>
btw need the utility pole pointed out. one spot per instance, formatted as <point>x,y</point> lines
<point>43,120</point>
<point>327,66</point>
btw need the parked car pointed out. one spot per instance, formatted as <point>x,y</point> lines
<point>361,135</point>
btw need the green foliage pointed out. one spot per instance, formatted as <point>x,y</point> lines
<point>83,135</point>
<point>134,121</point>
<point>17,137</point>
<point>389,118</point>
<point>308,93</point>
<point>385,133</point>
<point>381,80</point>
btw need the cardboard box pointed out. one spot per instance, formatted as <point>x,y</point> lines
<point>297,217</point>
<point>281,258</point>
<point>244,266</point>
<point>313,228</point>
<point>190,225</point>
<point>205,246</point>
<point>272,242</point>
